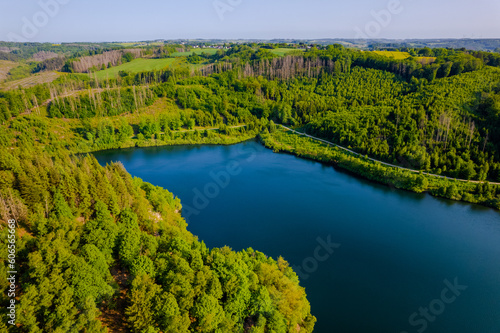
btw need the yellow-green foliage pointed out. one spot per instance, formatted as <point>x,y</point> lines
<point>79,219</point>
<point>393,54</point>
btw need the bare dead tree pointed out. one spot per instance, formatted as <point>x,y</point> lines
<point>35,104</point>
<point>110,57</point>
<point>135,98</point>
<point>472,127</point>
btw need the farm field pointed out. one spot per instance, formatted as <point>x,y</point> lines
<point>136,66</point>
<point>393,54</point>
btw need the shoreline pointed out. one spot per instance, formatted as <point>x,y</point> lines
<point>390,176</point>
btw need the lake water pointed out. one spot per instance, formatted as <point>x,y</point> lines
<point>372,259</point>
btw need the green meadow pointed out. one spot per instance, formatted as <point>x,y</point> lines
<point>136,66</point>
<point>282,51</point>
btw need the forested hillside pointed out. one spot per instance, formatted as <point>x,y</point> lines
<point>81,225</point>
<point>98,248</point>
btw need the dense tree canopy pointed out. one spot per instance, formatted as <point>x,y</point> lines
<point>94,241</point>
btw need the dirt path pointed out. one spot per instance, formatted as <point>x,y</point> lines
<point>113,317</point>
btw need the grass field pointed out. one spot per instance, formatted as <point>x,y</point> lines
<point>162,105</point>
<point>136,66</point>
<point>282,51</point>
<point>197,51</point>
<point>404,55</point>
<point>33,80</point>
<point>5,67</point>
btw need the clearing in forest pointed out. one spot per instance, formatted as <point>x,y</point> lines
<point>136,66</point>
<point>30,81</point>
<point>393,54</point>
<point>283,51</point>
<point>5,67</point>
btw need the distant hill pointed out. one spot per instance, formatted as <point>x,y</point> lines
<point>470,44</point>
<point>14,51</point>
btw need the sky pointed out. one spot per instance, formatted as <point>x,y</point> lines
<point>112,20</point>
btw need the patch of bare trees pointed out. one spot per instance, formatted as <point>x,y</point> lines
<point>283,68</point>
<point>443,131</point>
<point>44,55</point>
<point>471,126</point>
<point>52,64</point>
<point>12,207</point>
<point>214,69</point>
<point>114,58</point>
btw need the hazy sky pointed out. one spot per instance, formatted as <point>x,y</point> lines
<point>124,20</point>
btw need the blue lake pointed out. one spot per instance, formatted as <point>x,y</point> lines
<point>372,258</point>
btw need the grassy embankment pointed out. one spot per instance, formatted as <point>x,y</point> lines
<point>480,193</point>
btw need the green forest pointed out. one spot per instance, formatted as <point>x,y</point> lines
<point>99,250</point>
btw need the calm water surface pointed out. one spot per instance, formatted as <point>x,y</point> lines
<point>399,261</point>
